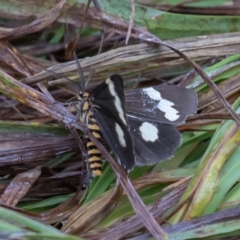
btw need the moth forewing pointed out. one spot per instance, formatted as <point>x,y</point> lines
<point>110,113</point>
<point>163,104</point>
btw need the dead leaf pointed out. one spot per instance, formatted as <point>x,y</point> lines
<point>19,186</point>
<point>37,25</point>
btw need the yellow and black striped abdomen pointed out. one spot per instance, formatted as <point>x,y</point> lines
<point>94,155</point>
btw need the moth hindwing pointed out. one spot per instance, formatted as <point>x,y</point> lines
<point>152,113</point>
<point>103,110</point>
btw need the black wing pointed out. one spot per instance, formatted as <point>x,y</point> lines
<point>152,112</point>
<point>153,141</point>
<point>163,104</point>
<point>108,103</point>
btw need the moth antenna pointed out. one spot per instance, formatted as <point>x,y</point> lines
<point>89,77</point>
<point>80,72</point>
<point>57,75</point>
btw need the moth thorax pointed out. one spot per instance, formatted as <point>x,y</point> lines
<point>85,106</point>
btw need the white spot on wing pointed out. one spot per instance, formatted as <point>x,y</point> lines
<point>120,135</point>
<point>117,101</point>
<point>149,132</point>
<point>163,105</point>
<point>170,112</point>
<point>152,93</point>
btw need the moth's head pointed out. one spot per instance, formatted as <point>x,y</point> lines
<point>82,96</point>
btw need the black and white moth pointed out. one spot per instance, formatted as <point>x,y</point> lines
<point>138,125</point>
<point>103,111</point>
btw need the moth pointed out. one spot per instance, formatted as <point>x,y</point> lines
<point>139,125</point>
<point>104,112</point>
